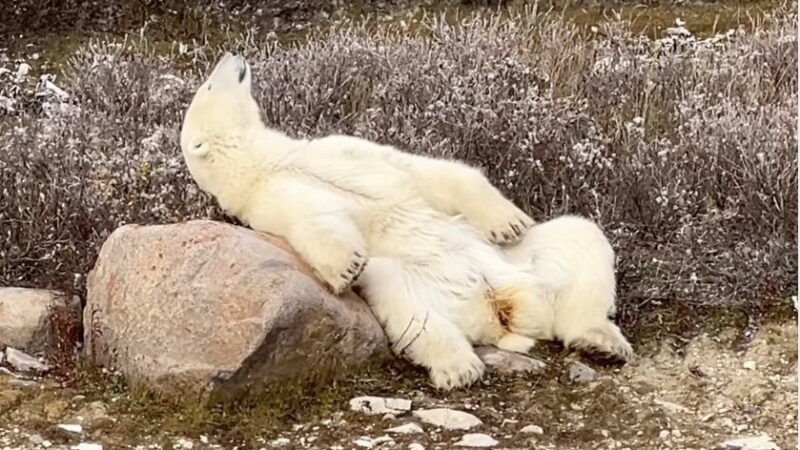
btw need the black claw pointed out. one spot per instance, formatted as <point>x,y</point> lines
<point>494,235</point>
<point>506,236</point>
<point>515,228</point>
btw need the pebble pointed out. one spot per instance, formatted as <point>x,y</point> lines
<point>36,439</point>
<point>415,446</point>
<point>88,446</point>
<point>509,362</point>
<point>408,428</point>
<point>532,429</point>
<point>367,442</point>
<point>280,442</point>
<point>761,442</point>
<point>184,443</point>
<point>380,405</point>
<point>749,365</point>
<point>71,427</point>
<point>448,418</point>
<point>581,373</point>
<point>476,440</point>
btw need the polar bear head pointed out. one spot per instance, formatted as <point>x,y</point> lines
<point>222,112</point>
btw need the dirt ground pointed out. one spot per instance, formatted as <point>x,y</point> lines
<point>695,397</point>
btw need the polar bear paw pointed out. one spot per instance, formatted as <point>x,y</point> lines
<point>457,371</point>
<point>607,341</point>
<point>344,280</point>
<point>502,224</point>
<point>518,343</point>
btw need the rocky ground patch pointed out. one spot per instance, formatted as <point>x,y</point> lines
<point>699,396</point>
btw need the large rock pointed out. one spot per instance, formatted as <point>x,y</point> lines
<point>28,317</point>
<point>204,310</point>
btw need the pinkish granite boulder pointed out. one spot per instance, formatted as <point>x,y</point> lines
<point>204,310</point>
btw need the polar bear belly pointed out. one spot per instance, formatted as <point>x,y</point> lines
<point>446,256</point>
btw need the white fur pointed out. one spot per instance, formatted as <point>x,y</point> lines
<point>420,236</point>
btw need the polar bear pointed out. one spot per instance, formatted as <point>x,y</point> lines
<point>444,260</point>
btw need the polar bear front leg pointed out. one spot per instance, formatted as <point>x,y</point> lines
<point>316,224</point>
<point>415,328</point>
<point>455,188</point>
<point>334,249</point>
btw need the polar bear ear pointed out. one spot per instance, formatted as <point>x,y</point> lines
<point>231,71</point>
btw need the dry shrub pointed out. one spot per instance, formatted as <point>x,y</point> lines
<point>682,149</point>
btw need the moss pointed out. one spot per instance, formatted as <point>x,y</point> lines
<point>240,421</point>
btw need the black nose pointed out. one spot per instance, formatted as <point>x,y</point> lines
<point>242,71</point>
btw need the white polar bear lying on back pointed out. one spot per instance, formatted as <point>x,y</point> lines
<point>420,237</point>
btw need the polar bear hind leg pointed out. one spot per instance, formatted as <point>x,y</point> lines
<point>402,301</point>
<point>575,265</point>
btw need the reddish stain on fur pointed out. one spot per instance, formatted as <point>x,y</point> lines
<point>502,302</point>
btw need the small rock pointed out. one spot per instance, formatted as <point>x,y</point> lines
<point>25,362</point>
<point>448,418</point>
<point>532,429</point>
<point>88,446</point>
<point>749,365</point>
<point>280,442</point>
<point>72,428</point>
<point>509,362</point>
<point>183,443</point>
<point>415,446</point>
<point>408,428</point>
<point>367,442</point>
<point>380,405</point>
<point>581,373</point>
<point>663,435</point>
<point>36,439</point>
<point>476,440</point>
<point>761,442</point>
<point>26,316</point>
